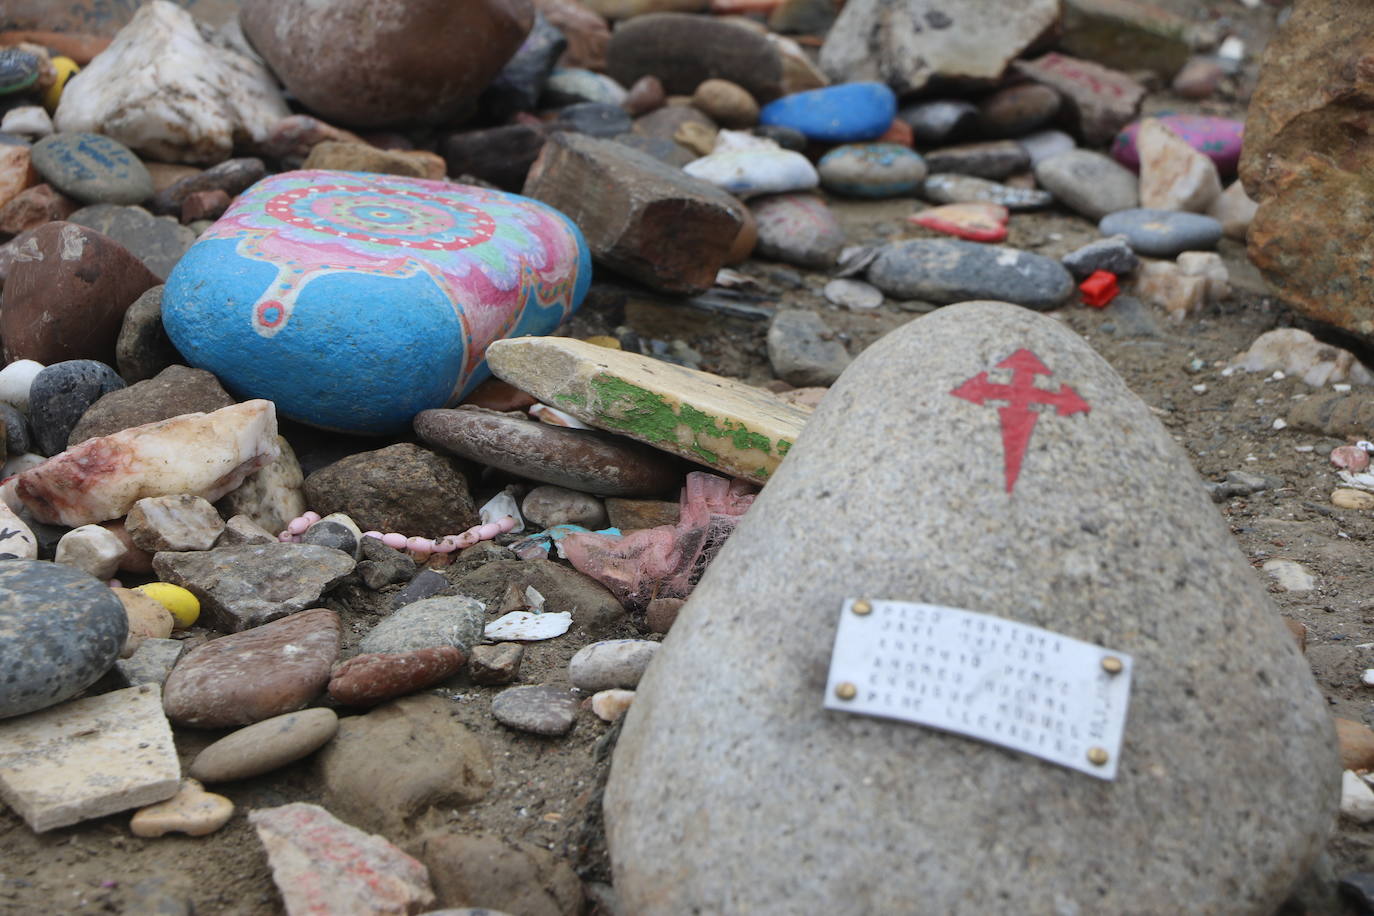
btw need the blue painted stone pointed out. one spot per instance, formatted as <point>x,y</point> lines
<point>836,114</point>
<point>1162,233</point>
<point>872,170</point>
<point>60,630</point>
<point>355,300</point>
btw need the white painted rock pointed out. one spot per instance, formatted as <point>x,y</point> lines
<point>1173,175</point>
<point>91,549</point>
<point>750,172</point>
<point>524,626</point>
<point>204,454</point>
<point>1296,352</point>
<point>163,90</point>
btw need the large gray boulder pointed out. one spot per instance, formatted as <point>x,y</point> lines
<point>1228,778</point>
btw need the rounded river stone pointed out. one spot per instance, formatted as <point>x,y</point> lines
<point>943,271</point>
<point>92,168</point>
<point>60,630</point>
<point>1162,233</point>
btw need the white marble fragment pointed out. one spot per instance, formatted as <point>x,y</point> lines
<point>178,522</point>
<point>1173,175</point>
<point>1296,352</point>
<point>524,626</point>
<point>91,549</point>
<point>202,454</point>
<point>164,90</point>
<point>1209,266</point>
<point>28,120</point>
<point>1290,575</point>
<point>15,381</point>
<point>1357,799</point>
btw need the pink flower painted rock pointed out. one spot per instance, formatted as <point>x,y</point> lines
<point>1218,138</point>
<point>356,300</point>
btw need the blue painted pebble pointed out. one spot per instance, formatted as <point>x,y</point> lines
<point>92,168</point>
<point>355,301</point>
<point>872,170</point>
<point>1162,233</point>
<point>836,114</point>
<point>61,393</point>
<point>945,271</point>
<point>60,631</point>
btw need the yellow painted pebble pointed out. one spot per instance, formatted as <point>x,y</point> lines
<point>66,69</point>
<point>604,340</point>
<point>185,607</point>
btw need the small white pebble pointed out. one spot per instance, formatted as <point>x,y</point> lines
<point>1304,448</point>
<point>1200,389</point>
<point>1357,800</point>
<point>1228,372</point>
<point>1368,677</point>
<point>1278,376</point>
<point>1340,386</point>
<point>1280,423</point>
<point>1251,458</point>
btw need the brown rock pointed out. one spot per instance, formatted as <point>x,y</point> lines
<point>1299,631</point>
<point>628,514</point>
<point>479,870</point>
<point>244,678</point>
<point>726,103</point>
<point>645,95</point>
<point>404,765</point>
<point>1356,741</point>
<point>402,488</point>
<point>231,176</point>
<point>192,811</point>
<point>494,394</point>
<point>1334,413</point>
<point>292,138</point>
<point>1018,110</point>
<point>366,680</point>
<point>414,71</point>
<point>578,459</point>
<point>500,155</point>
<point>80,47</point>
<point>147,617</point>
<point>134,560</point>
<point>362,157</point>
<point>594,609</point>
<point>1307,161</point>
<point>661,613</point>
<point>33,207</point>
<point>498,664</point>
<point>746,241</point>
<point>174,391</point>
<point>684,50</point>
<point>166,174</point>
<point>641,217</point>
<point>1099,101</point>
<point>16,172</point>
<point>587,32</point>
<point>66,299</point>
<point>204,205</point>
<point>1198,79</point>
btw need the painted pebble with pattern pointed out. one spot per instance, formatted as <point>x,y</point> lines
<point>1219,139</point>
<point>354,300</point>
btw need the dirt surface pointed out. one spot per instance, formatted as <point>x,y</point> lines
<point>547,790</point>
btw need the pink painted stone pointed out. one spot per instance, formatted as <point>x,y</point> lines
<point>1351,457</point>
<point>1217,138</point>
<point>322,865</point>
<point>367,680</point>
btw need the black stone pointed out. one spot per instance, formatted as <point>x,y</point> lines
<point>518,86</point>
<point>594,119</point>
<point>331,534</point>
<point>60,631</point>
<point>992,159</point>
<point>61,393</point>
<point>143,348</point>
<point>1357,889</point>
<point>17,438</point>
<point>382,566</point>
<point>1112,254</point>
<point>675,154</point>
<point>786,137</point>
<point>426,584</point>
<point>231,176</point>
<point>500,155</point>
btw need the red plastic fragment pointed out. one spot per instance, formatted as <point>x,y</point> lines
<point>1099,289</point>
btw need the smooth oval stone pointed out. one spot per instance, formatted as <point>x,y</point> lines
<point>355,301</point>
<point>366,680</point>
<point>60,630</point>
<point>333,535</point>
<point>941,270</point>
<point>860,799</point>
<point>1162,233</point>
<point>750,172</point>
<point>265,746</point>
<point>940,121</point>
<point>428,624</point>
<point>1046,143</point>
<point>992,159</point>
<point>611,663</point>
<point>1088,183</point>
<point>1018,110</point>
<point>797,229</point>
<point>570,85</point>
<point>92,168</point>
<point>968,189</point>
<point>578,459</point>
<point>872,170</point>
<point>19,70</point>
<point>541,709</point>
<point>835,114</point>
<point>1219,139</point>
<point>61,394</point>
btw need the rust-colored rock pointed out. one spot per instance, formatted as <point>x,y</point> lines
<point>366,680</point>
<point>276,668</point>
<point>65,298</point>
<point>641,217</point>
<point>1356,741</point>
<point>587,32</point>
<point>33,207</point>
<point>204,205</point>
<point>1309,163</point>
<point>365,64</point>
<point>16,172</point>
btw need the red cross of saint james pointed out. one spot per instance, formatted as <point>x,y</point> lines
<point>1018,419</point>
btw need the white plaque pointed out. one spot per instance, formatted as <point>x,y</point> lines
<point>996,680</point>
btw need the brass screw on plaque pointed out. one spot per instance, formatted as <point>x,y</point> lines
<point>1112,665</point>
<point>1098,756</point>
<point>862,607</point>
<point>846,691</point>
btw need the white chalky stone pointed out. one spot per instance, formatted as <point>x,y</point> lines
<point>92,549</point>
<point>15,381</point>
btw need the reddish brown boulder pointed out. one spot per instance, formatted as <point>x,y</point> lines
<point>1308,159</point>
<point>269,670</point>
<point>420,61</point>
<point>65,297</point>
<point>366,680</point>
<point>32,208</point>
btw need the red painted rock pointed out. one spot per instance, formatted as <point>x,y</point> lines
<point>276,668</point>
<point>977,222</point>
<point>366,680</point>
<point>422,61</point>
<point>66,298</point>
<point>33,207</point>
<point>1098,99</point>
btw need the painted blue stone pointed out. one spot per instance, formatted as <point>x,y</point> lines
<point>835,114</point>
<point>354,300</point>
<point>872,170</point>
